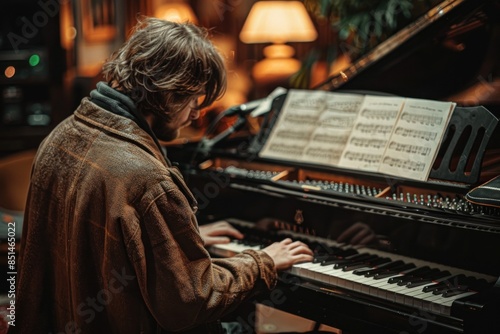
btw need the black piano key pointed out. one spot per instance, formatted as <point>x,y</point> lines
<point>374,265</point>
<point>445,283</point>
<point>409,275</point>
<point>351,260</point>
<point>373,271</point>
<point>330,253</point>
<point>384,274</point>
<point>456,282</point>
<point>426,280</point>
<point>398,268</point>
<point>323,249</point>
<point>423,281</point>
<point>379,261</point>
<point>347,252</point>
<point>423,275</point>
<point>433,287</point>
<point>320,258</point>
<point>337,264</point>
<point>368,262</point>
<point>455,291</point>
<point>354,266</point>
<point>339,256</point>
<point>439,290</point>
<point>362,271</point>
<point>394,271</point>
<point>464,284</point>
<point>435,274</point>
<point>332,260</point>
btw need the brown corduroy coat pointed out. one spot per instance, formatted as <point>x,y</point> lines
<point>110,241</point>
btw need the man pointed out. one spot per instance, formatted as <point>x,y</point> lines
<point>110,242</point>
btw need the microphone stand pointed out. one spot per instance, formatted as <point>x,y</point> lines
<point>208,144</point>
<point>258,107</point>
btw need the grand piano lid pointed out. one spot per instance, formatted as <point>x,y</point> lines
<point>449,48</point>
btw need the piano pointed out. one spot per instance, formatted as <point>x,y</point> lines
<point>392,255</point>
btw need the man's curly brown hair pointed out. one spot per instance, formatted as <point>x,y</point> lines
<point>164,64</point>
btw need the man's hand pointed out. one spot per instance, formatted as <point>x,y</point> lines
<point>287,253</point>
<point>219,233</point>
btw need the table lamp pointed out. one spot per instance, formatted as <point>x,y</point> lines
<point>277,22</point>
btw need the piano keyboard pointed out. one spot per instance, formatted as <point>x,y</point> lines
<point>424,285</point>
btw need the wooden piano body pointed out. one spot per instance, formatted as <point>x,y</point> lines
<point>346,214</point>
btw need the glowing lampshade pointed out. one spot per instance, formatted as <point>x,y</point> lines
<point>277,22</point>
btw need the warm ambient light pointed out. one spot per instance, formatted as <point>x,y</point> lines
<point>176,12</point>
<point>277,22</point>
<point>10,71</point>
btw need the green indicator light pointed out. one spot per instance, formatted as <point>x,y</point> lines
<point>34,60</point>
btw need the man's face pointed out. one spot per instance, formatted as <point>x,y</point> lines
<point>169,131</point>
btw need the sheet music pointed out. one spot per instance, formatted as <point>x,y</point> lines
<point>392,135</point>
<point>371,132</point>
<point>295,125</point>
<point>335,123</point>
<point>416,138</point>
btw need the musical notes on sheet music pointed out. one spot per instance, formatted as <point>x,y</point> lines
<point>312,102</point>
<point>409,148</point>
<point>338,122</point>
<point>416,138</point>
<point>405,164</point>
<point>368,143</point>
<point>383,114</point>
<point>287,149</point>
<point>324,154</point>
<point>329,139</point>
<point>343,103</point>
<point>365,157</point>
<point>313,126</point>
<point>300,119</point>
<point>417,134</point>
<point>372,129</point>
<point>294,134</point>
<point>387,134</point>
<point>343,106</point>
<point>422,119</point>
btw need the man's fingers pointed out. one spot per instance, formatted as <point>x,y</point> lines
<point>286,241</point>
<point>226,229</point>
<point>303,258</point>
<point>232,232</point>
<point>302,249</point>
<point>299,245</point>
<point>217,240</point>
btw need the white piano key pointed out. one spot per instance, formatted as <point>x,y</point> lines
<point>235,247</point>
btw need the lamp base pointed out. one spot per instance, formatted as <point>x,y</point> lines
<point>270,70</point>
